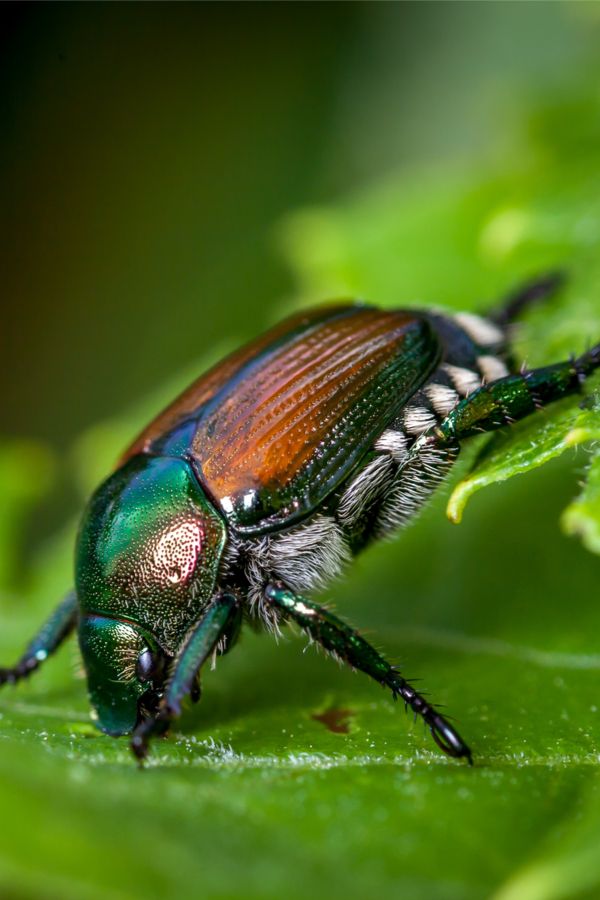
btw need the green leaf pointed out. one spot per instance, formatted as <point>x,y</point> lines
<point>527,446</point>
<point>582,516</point>
<point>253,784</point>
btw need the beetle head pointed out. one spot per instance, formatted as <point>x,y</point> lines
<point>124,670</point>
<point>146,565</point>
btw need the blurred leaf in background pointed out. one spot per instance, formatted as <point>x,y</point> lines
<point>253,796</point>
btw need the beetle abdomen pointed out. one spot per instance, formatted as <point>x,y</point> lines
<point>393,486</point>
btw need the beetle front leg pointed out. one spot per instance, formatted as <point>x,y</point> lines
<point>218,621</point>
<point>347,644</point>
<point>50,636</point>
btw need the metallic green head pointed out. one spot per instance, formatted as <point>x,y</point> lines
<point>119,663</point>
<point>146,565</point>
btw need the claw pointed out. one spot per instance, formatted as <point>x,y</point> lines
<point>449,740</point>
<point>22,670</point>
<point>140,740</point>
<point>148,728</point>
<point>7,676</point>
<point>139,747</point>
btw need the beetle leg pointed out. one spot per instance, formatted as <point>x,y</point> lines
<point>201,640</point>
<point>514,397</point>
<point>344,642</point>
<point>196,689</point>
<point>50,636</point>
<point>527,295</point>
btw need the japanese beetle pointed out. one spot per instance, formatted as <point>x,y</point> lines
<point>263,480</point>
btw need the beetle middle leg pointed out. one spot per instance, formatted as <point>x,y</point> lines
<point>51,635</point>
<point>342,641</point>
<point>219,620</point>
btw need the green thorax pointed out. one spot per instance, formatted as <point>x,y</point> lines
<point>149,548</point>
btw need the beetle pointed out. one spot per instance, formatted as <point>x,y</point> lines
<point>261,481</point>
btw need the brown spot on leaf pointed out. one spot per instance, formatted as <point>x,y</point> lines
<point>336,720</point>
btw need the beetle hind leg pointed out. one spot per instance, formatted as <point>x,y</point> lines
<point>529,294</point>
<point>514,397</point>
<point>347,644</point>
<point>48,639</point>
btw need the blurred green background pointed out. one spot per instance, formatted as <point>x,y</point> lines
<point>174,178</point>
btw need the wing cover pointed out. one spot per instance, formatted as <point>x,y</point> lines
<point>295,420</point>
<point>277,426</point>
<point>209,383</point>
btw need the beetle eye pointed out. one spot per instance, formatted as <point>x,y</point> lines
<point>144,668</point>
